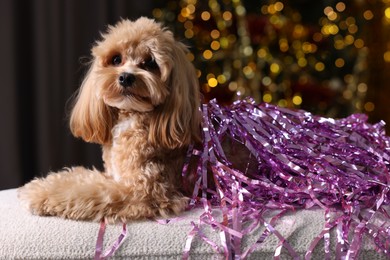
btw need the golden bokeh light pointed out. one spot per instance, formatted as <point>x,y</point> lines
<point>215,45</point>
<point>369,106</point>
<point>297,100</point>
<point>340,7</point>
<point>368,15</point>
<point>339,62</point>
<point>227,16</point>
<point>267,98</point>
<point>215,34</point>
<point>207,54</point>
<point>275,68</point>
<point>213,82</point>
<point>319,66</point>
<point>205,16</point>
<point>387,12</point>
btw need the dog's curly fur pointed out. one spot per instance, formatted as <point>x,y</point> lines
<point>144,123</point>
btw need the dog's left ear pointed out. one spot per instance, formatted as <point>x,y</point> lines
<point>176,122</point>
<point>91,119</point>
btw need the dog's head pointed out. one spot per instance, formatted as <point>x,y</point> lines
<point>138,66</point>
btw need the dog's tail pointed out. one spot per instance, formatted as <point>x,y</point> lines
<point>83,194</point>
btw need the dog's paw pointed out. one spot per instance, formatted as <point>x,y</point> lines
<point>33,196</point>
<point>174,206</point>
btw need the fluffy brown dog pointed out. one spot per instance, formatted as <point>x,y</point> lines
<point>140,101</point>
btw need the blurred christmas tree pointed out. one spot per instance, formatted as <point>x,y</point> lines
<point>300,54</point>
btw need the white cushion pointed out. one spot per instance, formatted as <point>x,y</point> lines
<point>24,236</point>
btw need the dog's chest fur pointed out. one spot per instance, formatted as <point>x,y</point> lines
<point>129,150</point>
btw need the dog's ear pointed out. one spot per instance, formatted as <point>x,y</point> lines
<point>91,119</point>
<point>176,122</point>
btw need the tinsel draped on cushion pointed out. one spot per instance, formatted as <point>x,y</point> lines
<point>294,160</point>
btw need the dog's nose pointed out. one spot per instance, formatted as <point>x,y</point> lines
<point>126,79</point>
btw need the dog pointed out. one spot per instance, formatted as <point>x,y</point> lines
<point>140,101</point>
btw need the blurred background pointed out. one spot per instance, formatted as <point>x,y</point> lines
<point>331,58</point>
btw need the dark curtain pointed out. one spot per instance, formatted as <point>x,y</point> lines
<point>43,45</point>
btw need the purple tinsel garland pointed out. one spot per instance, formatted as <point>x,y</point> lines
<point>295,161</point>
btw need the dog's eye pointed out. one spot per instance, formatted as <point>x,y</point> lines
<point>149,64</point>
<point>116,60</point>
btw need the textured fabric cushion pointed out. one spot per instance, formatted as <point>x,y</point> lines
<point>24,236</point>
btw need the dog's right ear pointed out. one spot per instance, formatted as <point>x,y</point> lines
<point>91,119</point>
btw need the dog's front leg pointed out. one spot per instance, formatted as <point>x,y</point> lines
<point>82,194</point>
<point>75,193</point>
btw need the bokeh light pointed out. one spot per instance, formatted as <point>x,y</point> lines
<point>277,53</point>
